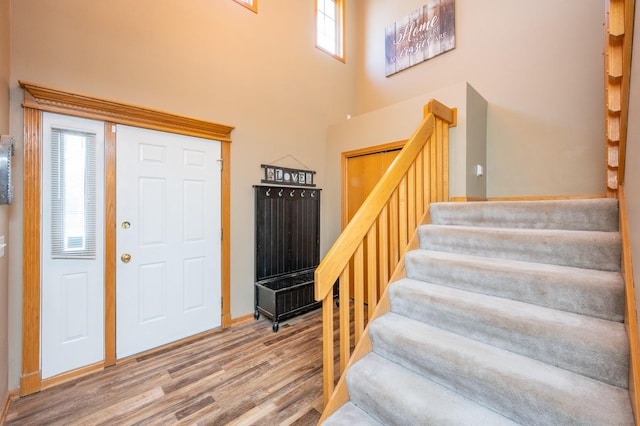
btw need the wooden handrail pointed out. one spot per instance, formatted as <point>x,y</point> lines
<point>618,49</point>
<point>376,238</point>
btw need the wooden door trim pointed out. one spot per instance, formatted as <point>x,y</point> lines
<point>39,99</point>
<point>345,156</point>
<point>226,234</point>
<point>54,100</point>
<point>30,380</point>
<point>109,244</point>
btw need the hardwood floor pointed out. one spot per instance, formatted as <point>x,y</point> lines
<point>243,375</point>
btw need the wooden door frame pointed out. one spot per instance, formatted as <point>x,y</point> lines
<point>39,99</point>
<point>377,149</point>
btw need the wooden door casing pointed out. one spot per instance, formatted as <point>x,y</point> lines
<point>38,99</point>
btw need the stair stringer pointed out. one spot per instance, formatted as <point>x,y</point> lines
<point>630,314</point>
<point>340,395</point>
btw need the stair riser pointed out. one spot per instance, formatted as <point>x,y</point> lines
<point>588,215</point>
<point>590,250</point>
<point>588,346</point>
<point>594,293</point>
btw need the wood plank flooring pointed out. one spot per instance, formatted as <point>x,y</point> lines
<point>244,375</point>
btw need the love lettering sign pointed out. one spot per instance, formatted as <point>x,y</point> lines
<point>425,33</point>
<point>286,176</point>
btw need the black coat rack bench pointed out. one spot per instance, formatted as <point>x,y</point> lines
<point>287,251</point>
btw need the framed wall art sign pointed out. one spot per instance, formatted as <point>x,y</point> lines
<point>425,33</point>
<point>287,176</point>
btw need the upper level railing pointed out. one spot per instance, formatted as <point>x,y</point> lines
<point>376,238</point>
<point>618,45</point>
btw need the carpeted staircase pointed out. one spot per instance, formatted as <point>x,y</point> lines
<point>511,313</point>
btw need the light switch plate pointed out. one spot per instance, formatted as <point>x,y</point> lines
<point>2,245</point>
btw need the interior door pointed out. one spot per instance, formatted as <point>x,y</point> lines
<point>72,249</point>
<point>168,238</point>
<point>362,171</point>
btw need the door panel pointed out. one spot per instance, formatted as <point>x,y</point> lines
<point>168,211</point>
<point>72,250</point>
<point>153,289</point>
<point>152,213</point>
<point>194,284</point>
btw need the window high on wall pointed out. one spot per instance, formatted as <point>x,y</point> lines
<point>249,4</point>
<point>330,27</point>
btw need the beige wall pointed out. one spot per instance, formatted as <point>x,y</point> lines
<point>4,210</point>
<point>539,66</point>
<point>632,168</point>
<point>476,144</point>
<point>213,60</point>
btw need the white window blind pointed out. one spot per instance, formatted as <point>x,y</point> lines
<point>73,194</point>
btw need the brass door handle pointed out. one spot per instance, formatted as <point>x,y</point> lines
<point>125,258</point>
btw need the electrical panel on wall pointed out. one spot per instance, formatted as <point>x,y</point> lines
<point>6,152</point>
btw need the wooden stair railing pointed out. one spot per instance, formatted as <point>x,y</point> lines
<point>381,228</point>
<point>617,70</point>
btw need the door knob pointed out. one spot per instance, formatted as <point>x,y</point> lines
<point>125,225</point>
<point>125,258</point>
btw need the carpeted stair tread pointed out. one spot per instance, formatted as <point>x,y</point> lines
<point>599,214</point>
<point>584,291</point>
<point>589,346</point>
<point>396,396</point>
<point>581,249</point>
<point>350,415</point>
<point>520,388</point>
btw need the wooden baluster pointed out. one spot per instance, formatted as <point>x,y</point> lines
<point>345,320</point>
<point>402,217</point>
<point>439,160</point>
<point>372,277</point>
<point>433,168</point>
<point>411,199</point>
<point>358,288</point>
<point>383,252</point>
<point>426,164</point>
<point>394,254</point>
<point>445,165</point>
<point>328,372</point>
<point>419,191</point>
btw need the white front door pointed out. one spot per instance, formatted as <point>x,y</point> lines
<point>72,248</point>
<point>168,238</point>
